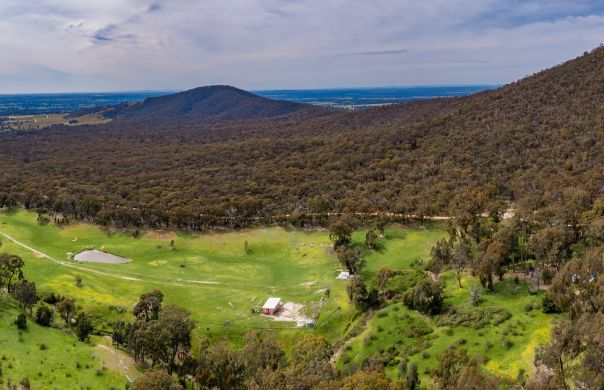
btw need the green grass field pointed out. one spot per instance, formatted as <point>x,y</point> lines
<point>212,276</point>
<point>209,274</point>
<point>507,347</point>
<point>49,358</point>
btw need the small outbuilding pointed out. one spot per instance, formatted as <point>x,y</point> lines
<point>271,306</point>
<point>344,275</point>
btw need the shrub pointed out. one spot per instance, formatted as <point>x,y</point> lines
<point>475,293</point>
<point>395,283</point>
<point>118,309</point>
<point>50,297</point>
<point>408,298</point>
<point>428,297</point>
<point>547,275</point>
<point>371,239</point>
<point>474,318</point>
<point>83,327</point>
<point>418,330</point>
<point>521,378</point>
<point>507,343</point>
<point>357,292</point>
<point>21,321</point>
<point>42,219</point>
<point>548,306</point>
<point>25,384</point>
<point>43,315</point>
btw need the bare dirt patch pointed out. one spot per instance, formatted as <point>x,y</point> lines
<point>290,311</point>
<point>117,360</point>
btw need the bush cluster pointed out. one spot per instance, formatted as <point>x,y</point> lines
<point>473,317</point>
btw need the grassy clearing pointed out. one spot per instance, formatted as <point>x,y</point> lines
<point>401,248</point>
<point>214,277</point>
<point>33,122</point>
<point>209,274</point>
<point>48,357</point>
<point>508,345</point>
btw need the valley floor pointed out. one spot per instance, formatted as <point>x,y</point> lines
<point>221,277</point>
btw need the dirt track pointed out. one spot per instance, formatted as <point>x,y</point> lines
<point>63,263</point>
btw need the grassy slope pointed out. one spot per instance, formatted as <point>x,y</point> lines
<point>524,329</point>
<point>291,264</point>
<point>281,263</point>
<point>54,367</point>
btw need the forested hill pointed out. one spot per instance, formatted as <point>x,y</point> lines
<point>539,140</point>
<point>206,104</point>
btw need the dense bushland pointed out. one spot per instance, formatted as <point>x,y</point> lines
<point>538,139</point>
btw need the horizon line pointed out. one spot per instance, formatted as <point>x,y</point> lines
<point>167,91</point>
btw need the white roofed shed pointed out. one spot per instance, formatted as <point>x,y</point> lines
<point>271,306</point>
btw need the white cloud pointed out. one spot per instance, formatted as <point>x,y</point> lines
<point>65,45</point>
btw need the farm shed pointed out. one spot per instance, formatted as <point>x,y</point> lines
<point>271,306</point>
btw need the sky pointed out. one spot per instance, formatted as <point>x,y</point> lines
<point>119,45</point>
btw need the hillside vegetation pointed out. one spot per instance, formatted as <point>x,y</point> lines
<point>205,105</point>
<point>532,138</point>
<point>514,301</point>
<point>48,358</point>
<point>505,292</point>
